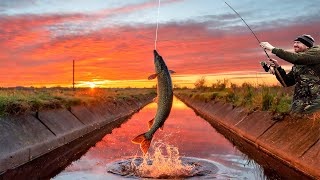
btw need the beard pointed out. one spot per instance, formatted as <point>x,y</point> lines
<point>298,49</point>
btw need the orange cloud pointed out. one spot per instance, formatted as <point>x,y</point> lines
<point>122,55</point>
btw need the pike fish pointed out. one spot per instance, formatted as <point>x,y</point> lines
<point>164,100</point>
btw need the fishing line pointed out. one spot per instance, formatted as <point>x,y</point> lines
<point>155,41</point>
<point>275,69</point>
<point>248,27</point>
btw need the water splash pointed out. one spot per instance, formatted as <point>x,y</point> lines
<point>165,162</point>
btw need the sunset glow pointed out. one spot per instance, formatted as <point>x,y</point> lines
<point>92,85</point>
<point>112,41</point>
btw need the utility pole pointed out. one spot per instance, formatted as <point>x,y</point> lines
<point>73,77</point>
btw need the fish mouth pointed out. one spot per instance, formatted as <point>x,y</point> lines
<point>155,53</point>
<point>156,56</point>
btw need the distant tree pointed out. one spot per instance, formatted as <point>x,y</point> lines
<point>154,86</point>
<point>220,85</point>
<point>200,83</point>
<point>233,86</point>
<point>176,86</point>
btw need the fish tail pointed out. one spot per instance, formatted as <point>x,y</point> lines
<point>143,141</point>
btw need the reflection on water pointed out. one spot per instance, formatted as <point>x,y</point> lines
<point>193,136</point>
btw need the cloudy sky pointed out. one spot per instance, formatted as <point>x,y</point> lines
<point>112,41</point>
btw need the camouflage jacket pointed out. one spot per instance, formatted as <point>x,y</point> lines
<point>305,74</point>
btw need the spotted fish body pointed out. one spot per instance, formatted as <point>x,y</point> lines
<point>165,98</point>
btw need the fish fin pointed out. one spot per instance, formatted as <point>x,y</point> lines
<point>152,76</point>
<point>145,145</point>
<point>161,128</point>
<point>172,71</point>
<point>139,139</point>
<point>150,123</point>
<point>155,99</point>
<point>143,141</point>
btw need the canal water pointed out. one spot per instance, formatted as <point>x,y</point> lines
<point>194,138</point>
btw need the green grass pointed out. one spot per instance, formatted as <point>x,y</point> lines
<point>14,102</point>
<point>264,98</point>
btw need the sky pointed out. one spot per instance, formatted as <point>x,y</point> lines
<point>112,41</point>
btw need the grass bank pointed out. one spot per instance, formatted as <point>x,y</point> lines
<point>263,98</point>
<point>18,101</point>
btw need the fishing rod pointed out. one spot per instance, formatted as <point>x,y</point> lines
<point>264,64</point>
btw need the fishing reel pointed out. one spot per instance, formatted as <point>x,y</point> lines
<point>265,66</point>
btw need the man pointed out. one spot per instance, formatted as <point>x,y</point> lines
<point>305,73</point>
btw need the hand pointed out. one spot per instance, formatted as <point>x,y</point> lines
<point>274,63</point>
<point>267,46</point>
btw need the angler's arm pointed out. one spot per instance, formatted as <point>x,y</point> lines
<point>305,58</point>
<point>287,78</point>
